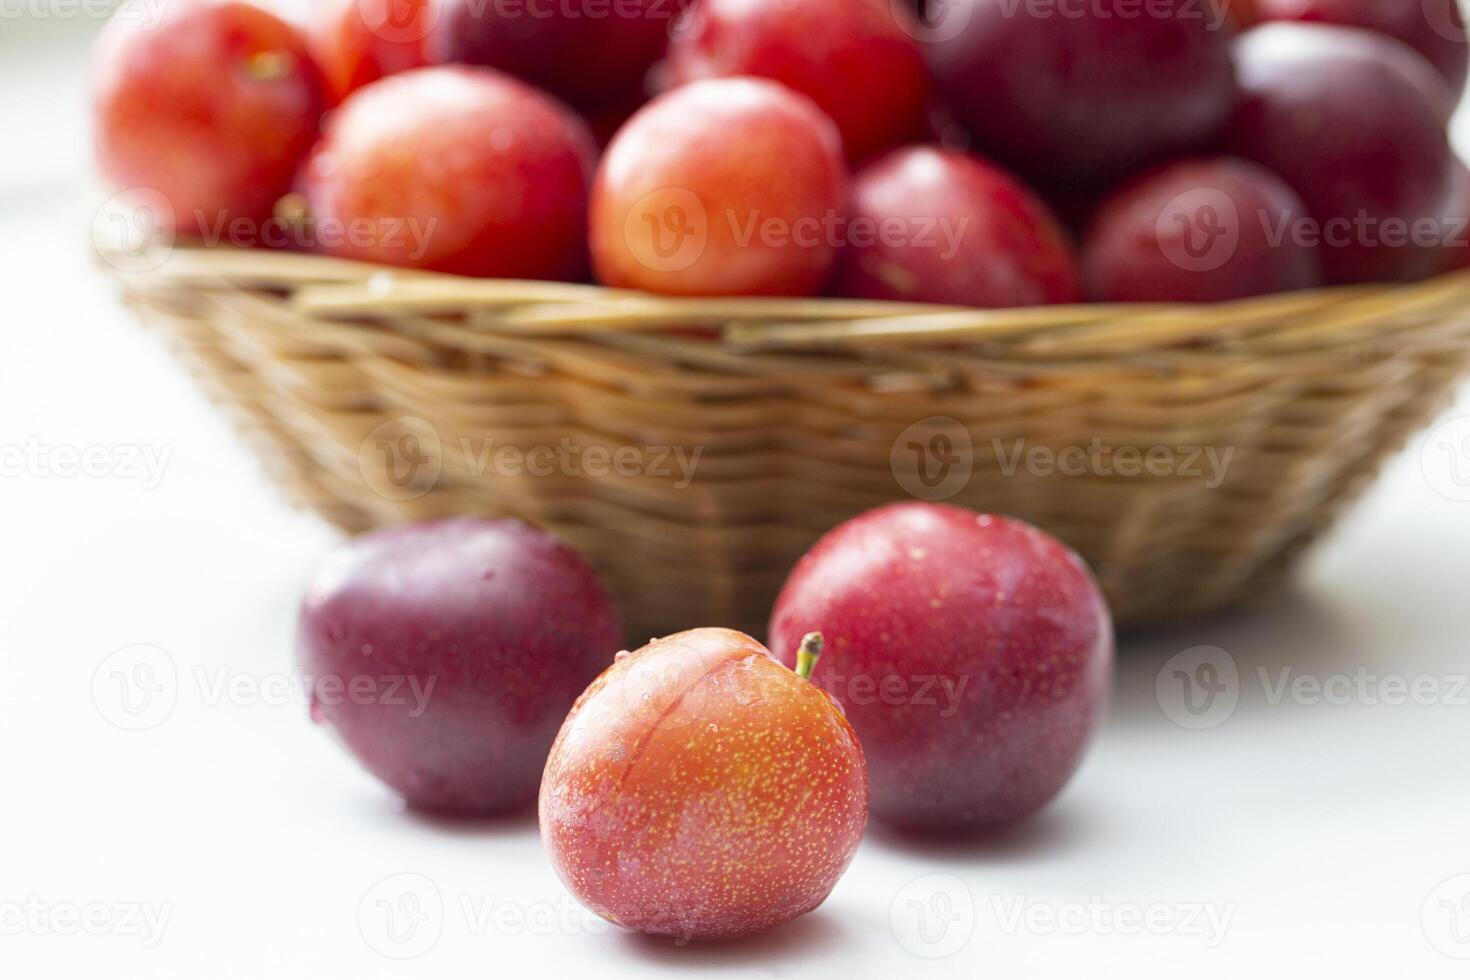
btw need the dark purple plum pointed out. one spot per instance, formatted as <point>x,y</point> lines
<point>591,53</point>
<point>1355,123</point>
<point>446,654</point>
<point>1085,94</point>
<point>1199,231</point>
<point>1434,28</point>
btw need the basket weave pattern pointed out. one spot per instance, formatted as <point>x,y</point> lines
<point>377,396</point>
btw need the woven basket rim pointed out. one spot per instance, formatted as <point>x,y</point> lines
<point>231,262</point>
<point>327,288</point>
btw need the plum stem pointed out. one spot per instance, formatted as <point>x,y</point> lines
<point>807,654</point>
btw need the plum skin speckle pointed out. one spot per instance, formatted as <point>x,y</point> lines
<point>701,790</point>
<point>473,638</point>
<point>973,654</point>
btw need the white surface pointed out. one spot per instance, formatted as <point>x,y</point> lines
<point>1325,833</point>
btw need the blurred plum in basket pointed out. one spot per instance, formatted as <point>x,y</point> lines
<point>858,60</point>
<point>1084,92</point>
<point>1355,123</point>
<point>455,169</point>
<point>941,226</point>
<point>1434,28</point>
<point>360,41</point>
<point>212,109</point>
<point>446,654</point>
<point>1200,231</point>
<point>589,52</point>
<point>729,186</point>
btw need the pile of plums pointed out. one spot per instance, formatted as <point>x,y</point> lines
<point>704,786</point>
<point>1202,150</point>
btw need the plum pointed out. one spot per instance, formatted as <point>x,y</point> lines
<point>939,226</point>
<point>213,108</point>
<point>588,52</point>
<point>972,653</point>
<point>1434,28</point>
<point>447,653</point>
<point>858,60</point>
<point>728,186</point>
<point>360,41</point>
<point>455,169</point>
<point>1086,93</point>
<point>1355,123</point>
<point>1200,231</point>
<point>701,790</point>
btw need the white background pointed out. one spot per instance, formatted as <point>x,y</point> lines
<point>1326,836</point>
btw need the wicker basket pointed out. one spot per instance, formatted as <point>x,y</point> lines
<point>379,396</point>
